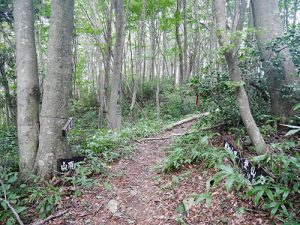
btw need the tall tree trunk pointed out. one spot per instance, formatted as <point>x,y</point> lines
<point>286,14</point>
<point>180,54</point>
<point>115,110</point>
<point>157,96</point>
<point>153,45</point>
<point>11,114</point>
<point>54,113</point>
<point>234,71</point>
<point>266,18</point>
<point>185,43</point>
<point>104,83</point>
<point>139,56</point>
<point>295,10</point>
<point>27,85</point>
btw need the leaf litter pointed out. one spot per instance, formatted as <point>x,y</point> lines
<point>137,193</point>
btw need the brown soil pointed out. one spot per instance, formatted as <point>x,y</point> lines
<point>142,194</point>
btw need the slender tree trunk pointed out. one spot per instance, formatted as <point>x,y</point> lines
<point>104,92</point>
<point>157,97</point>
<point>266,18</point>
<point>286,14</point>
<point>28,85</point>
<point>153,45</point>
<point>139,56</point>
<point>295,10</point>
<point>11,109</point>
<point>54,113</point>
<point>234,71</point>
<point>115,111</point>
<point>180,54</point>
<point>185,43</point>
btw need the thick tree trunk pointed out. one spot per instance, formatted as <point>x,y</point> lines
<point>115,111</point>
<point>54,113</point>
<point>27,85</point>
<point>267,20</point>
<point>235,74</point>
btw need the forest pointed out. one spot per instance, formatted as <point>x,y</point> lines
<point>150,112</point>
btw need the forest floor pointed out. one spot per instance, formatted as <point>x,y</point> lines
<point>138,192</point>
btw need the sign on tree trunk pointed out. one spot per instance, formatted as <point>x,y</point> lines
<point>65,165</point>
<point>67,126</point>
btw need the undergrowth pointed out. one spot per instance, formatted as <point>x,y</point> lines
<point>279,193</point>
<point>99,146</point>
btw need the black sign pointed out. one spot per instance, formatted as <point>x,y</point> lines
<point>65,165</point>
<point>250,172</point>
<point>67,127</point>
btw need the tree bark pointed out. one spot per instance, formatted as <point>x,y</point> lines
<point>295,10</point>
<point>185,43</point>
<point>180,54</point>
<point>234,71</point>
<point>9,101</point>
<point>139,56</point>
<point>115,111</point>
<point>54,113</point>
<point>28,85</point>
<point>104,80</point>
<point>153,43</point>
<point>267,20</point>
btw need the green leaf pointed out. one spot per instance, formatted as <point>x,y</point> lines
<point>3,204</point>
<point>285,194</point>
<point>284,209</point>
<point>270,194</point>
<point>208,200</point>
<point>290,126</point>
<point>199,198</point>
<point>229,182</point>
<point>180,208</point>
<point>258,196</point>
<point>291,132</point>
<point>226,169</point>
<point>204,140</point>
<point>297,106</point>
<point>260,158</point>
<point>107,186</point>
<point>241,210</point>
<point>10,221</point>
<point>274,210</point>
<point>12,179</point>
<point>20,209</point>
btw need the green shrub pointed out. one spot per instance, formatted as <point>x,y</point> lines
<point>177,103</point>
<point>191,149</point>
<point>11,192</point>
<point>9,148</point>
<point>111,145</point>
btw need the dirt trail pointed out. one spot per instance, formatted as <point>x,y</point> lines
<point>135,193</point>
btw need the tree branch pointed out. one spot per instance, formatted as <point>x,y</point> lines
<point>51,217</point>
